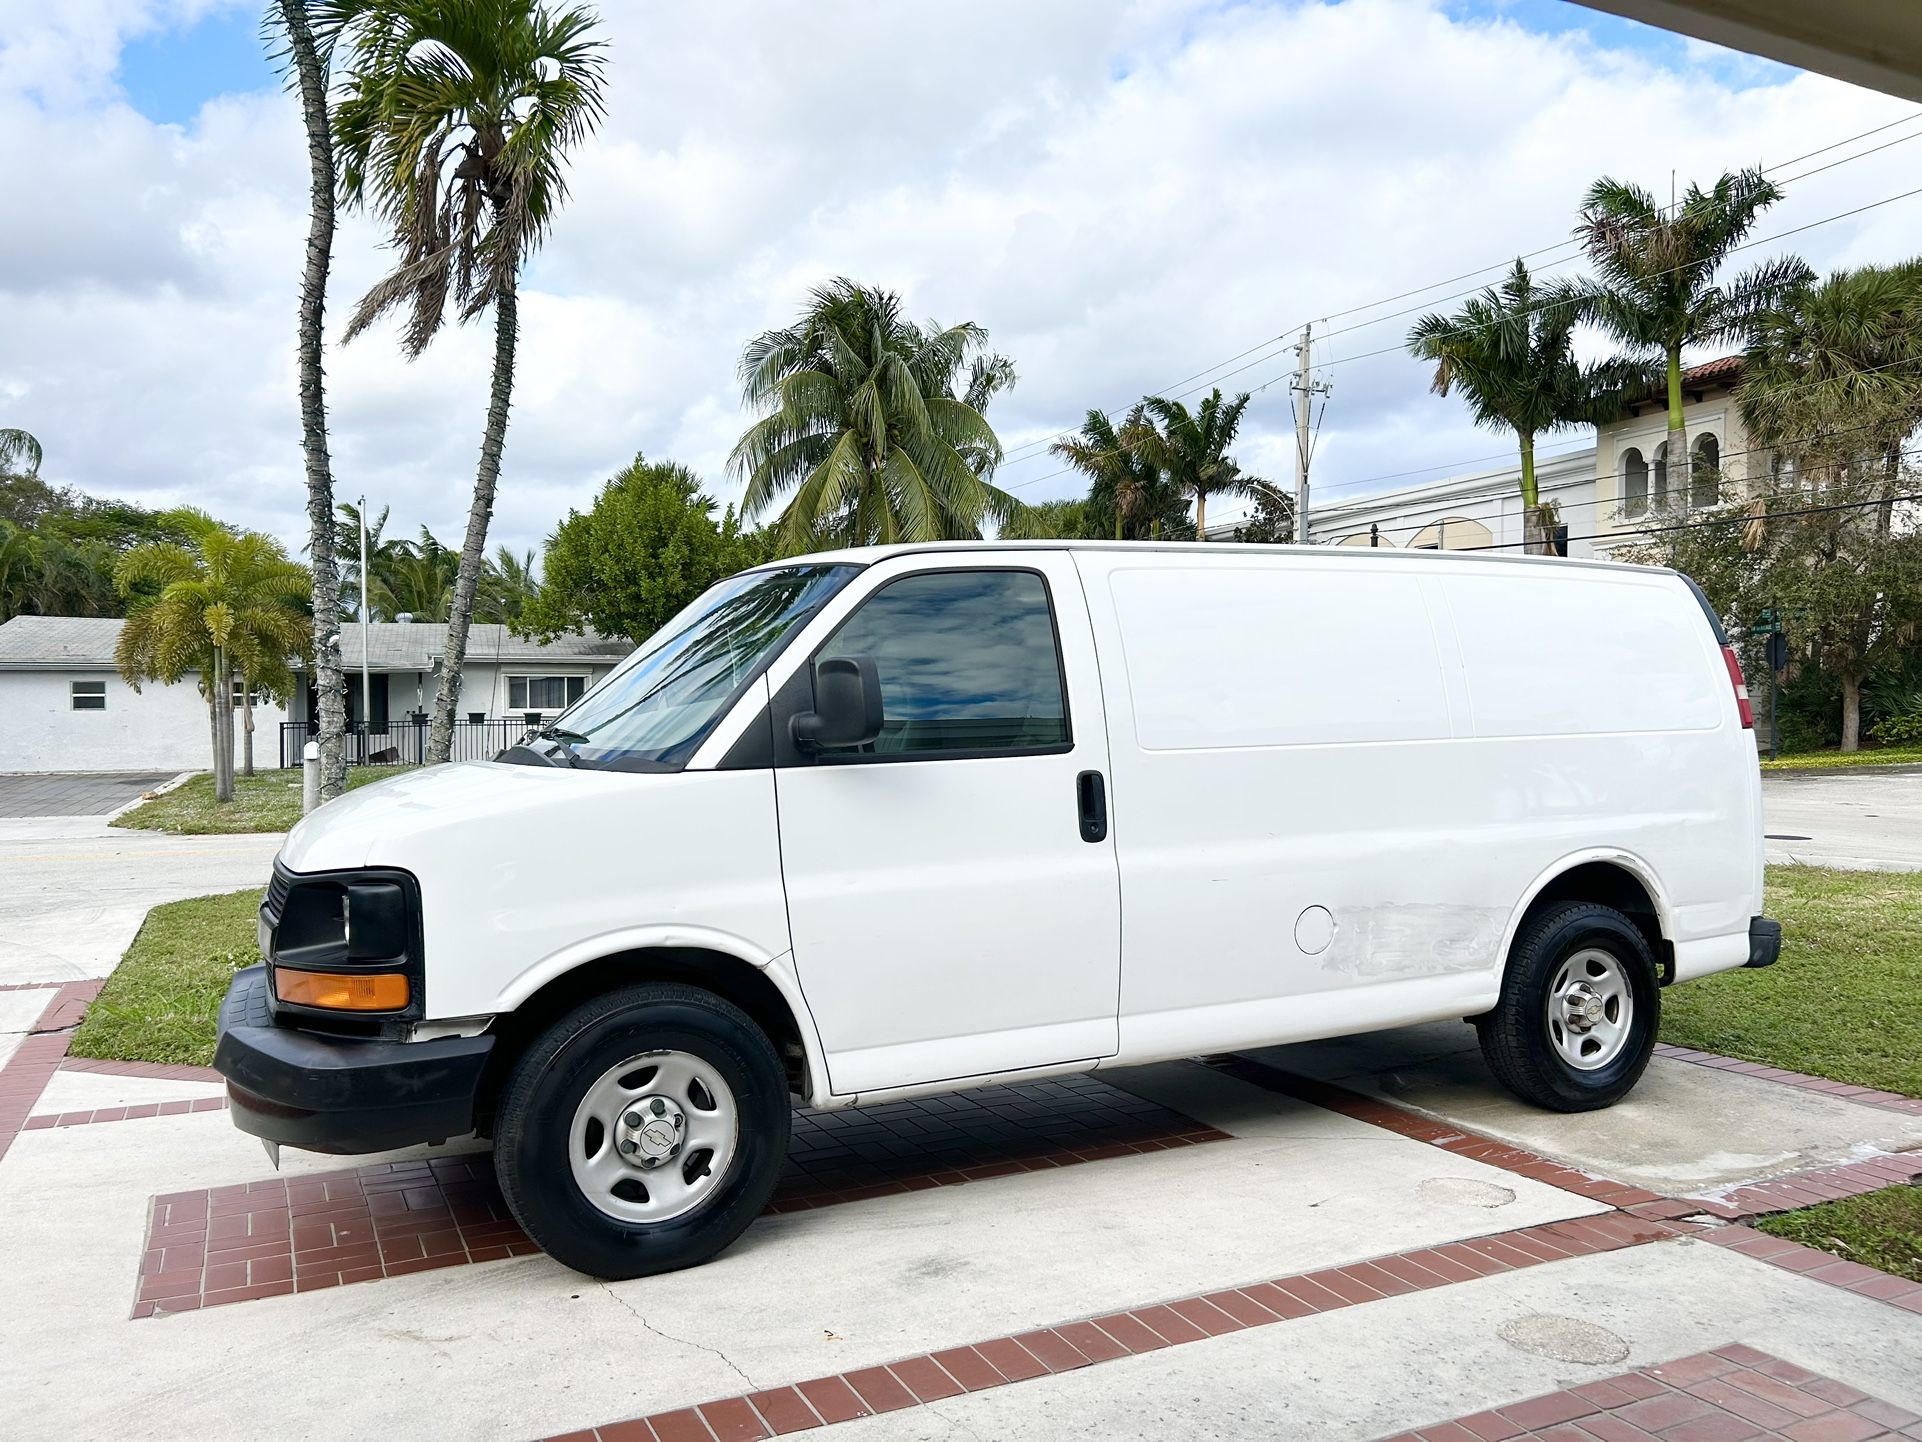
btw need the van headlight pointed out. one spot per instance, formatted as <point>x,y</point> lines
<point>343,941</point>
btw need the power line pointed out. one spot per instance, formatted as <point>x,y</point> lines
<point>1028,450</point>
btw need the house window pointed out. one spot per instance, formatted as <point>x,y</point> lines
<point>1705,479</point>
<point>544,693</point>
<point>1634,483</point>
<point>88,695</point>
<point>242,697</point>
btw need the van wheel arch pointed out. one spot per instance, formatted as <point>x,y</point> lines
<point>1605,883</point>
<point>725,976</point>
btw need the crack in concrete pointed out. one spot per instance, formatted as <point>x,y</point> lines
<point>955,1424</point>
<point>726,1360</point>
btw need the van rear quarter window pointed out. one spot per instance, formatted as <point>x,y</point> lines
<point>1584,652</point>
<point>1278,656</point>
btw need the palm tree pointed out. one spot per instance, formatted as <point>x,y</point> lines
<point>1127,486</point>
<point>227,604</point>
<point>1191,448</point>
<point>862,429</point>
<point>303,56</point>
<point>19,453</point>
<point>1510,351</point>
<point>1656,270</point>
<point>507,587</point>
<point>1833,374</point>
<point>454,124</point>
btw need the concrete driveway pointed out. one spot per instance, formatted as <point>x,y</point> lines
<point>74,793</point>
<point>1865,820</point>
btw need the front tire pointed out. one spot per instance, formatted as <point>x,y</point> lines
<point>643,1131</point>
<point>1579,1009</point>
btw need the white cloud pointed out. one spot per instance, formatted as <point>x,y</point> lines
<point>1123,195</point>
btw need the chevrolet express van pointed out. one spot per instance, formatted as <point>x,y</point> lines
<point>880,823</point>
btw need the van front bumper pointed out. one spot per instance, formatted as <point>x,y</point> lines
<point>341,1094</point>
<point>1764,941</point>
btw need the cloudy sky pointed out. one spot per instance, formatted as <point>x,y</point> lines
<point>1125,194</point>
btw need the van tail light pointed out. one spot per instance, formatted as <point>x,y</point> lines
<point>1742,705</point>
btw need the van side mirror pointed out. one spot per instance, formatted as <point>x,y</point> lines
<point>847,706</point>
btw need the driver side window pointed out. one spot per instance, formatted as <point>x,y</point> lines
<point>968,664</point>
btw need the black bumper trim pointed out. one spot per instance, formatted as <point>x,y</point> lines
<point>1764,941</point>
<point>341,1094</point>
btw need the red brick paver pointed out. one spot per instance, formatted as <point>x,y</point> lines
<point>38,1056</point>
<point>1846,1091</point>
<point>240,1243</point>
<point>1730,1395</point>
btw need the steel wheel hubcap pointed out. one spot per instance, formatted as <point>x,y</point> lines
<point>1591,1009</point>
<point>653,1137</point>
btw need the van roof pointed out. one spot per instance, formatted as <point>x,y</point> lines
<point>1386,555</point>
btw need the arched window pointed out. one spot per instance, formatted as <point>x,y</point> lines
<point>1453,533</point>
<point>1634,483</point>
<point>1705,472</point>
<point>1658,495</point>
<point>1365,538</point>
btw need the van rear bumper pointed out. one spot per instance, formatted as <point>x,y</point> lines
<point>341,1094</point>
<point>1764,941</point>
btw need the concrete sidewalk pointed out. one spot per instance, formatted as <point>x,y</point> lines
<point>73,891</point>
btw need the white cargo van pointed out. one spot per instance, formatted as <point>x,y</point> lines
<point>884,822</point>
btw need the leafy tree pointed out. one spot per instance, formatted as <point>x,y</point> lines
<point>649,545</point>
<point>58,548</point>
<point>1847,592</point>
<point>291,27</point>
<point>1190,448</point>
<point>1656,269</point>
<point>223,606</point>
<point>453,124</point>
<point>1510,352</point>
<point>862,428</point>
<point>1130,497</point>
<point>1272,521</point>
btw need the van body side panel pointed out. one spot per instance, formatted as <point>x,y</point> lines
<point>525,871</point>
<point>1332,794</point>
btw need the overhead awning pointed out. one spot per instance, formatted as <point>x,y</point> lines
<point>1873,43</point>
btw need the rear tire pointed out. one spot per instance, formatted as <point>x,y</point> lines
<point>643,1131</point>
<point>1579,1009</point>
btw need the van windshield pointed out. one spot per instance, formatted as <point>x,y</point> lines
<point>653,711</point>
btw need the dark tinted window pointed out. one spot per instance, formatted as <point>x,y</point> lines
<point>967,661</point>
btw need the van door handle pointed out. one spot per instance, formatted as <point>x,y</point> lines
<point>1092,796</point>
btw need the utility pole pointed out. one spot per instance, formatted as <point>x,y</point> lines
<point>366,680</point>
<point>1305,392</point>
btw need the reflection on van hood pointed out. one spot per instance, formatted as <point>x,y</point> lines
<point>383,823</point>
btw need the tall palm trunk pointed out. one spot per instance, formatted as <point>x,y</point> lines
<point>223,702</point>
<point>246,726</point>
<point>1201,514</point>
<point>1534,532</point>
<point>440,738</point>
<point>1679,463</point>
<point>330,686</point>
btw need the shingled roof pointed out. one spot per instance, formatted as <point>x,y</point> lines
<point>88,641</point>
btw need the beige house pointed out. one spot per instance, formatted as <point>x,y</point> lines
<point>1611,491</point>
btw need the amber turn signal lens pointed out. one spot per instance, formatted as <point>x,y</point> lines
<point>358,991</point>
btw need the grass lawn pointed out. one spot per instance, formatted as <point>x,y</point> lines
<point>1835,760</point>
<point>1841,1003</point>
<point>161,1001</point>
<point>266,801</point>
<point>1882,1229</point>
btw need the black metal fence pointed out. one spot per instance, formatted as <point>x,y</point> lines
<point>404,743</point>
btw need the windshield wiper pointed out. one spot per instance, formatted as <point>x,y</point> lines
<point>560,736</point>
